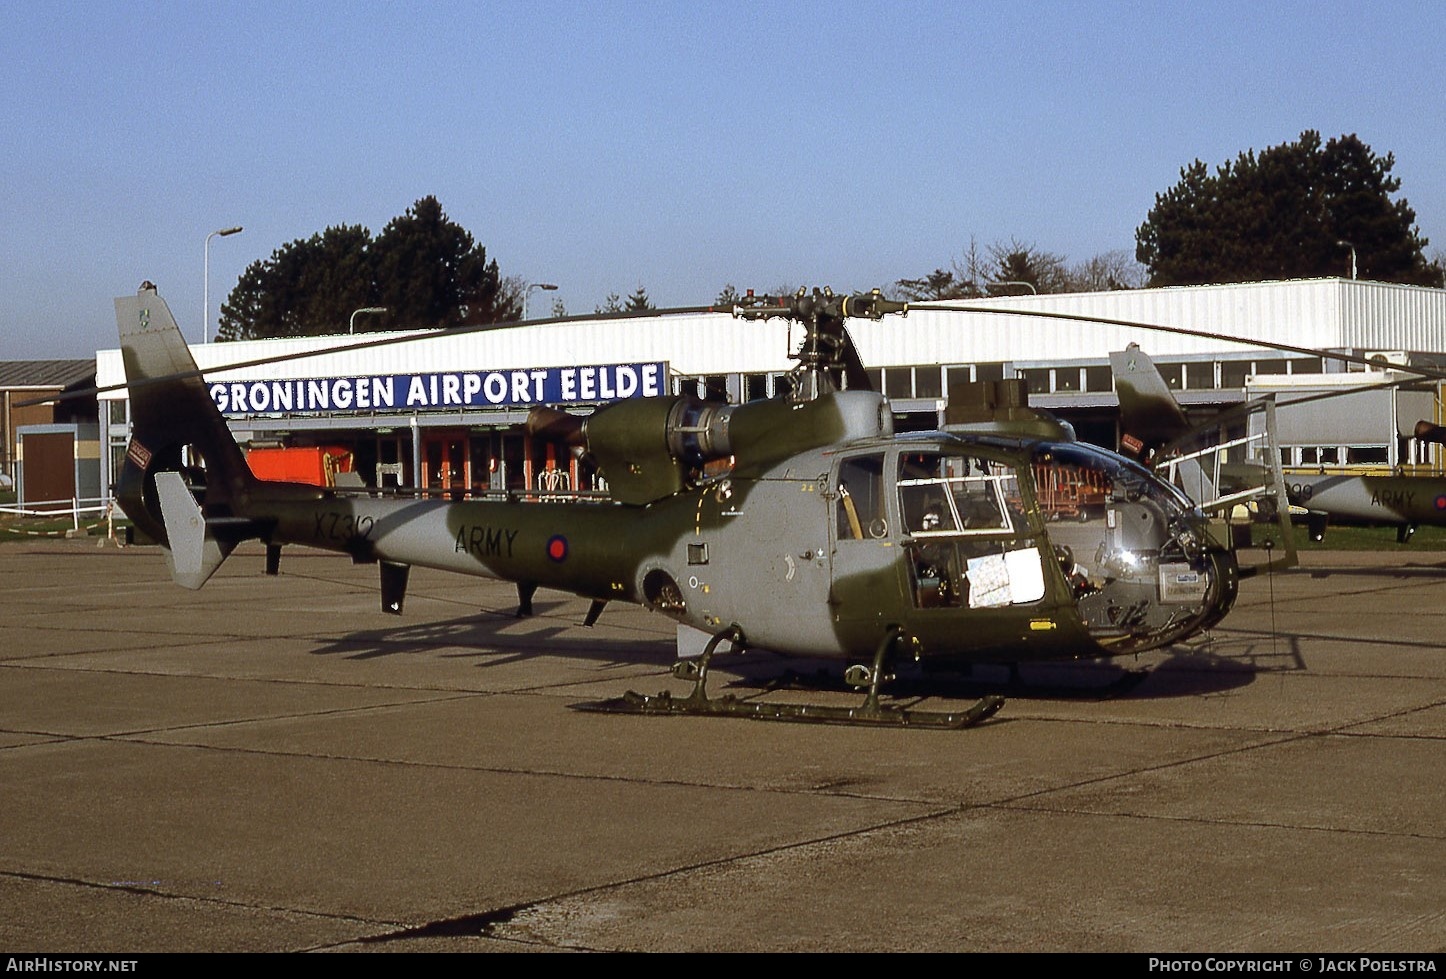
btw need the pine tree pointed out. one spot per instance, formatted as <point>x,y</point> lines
<point>1293,211</point>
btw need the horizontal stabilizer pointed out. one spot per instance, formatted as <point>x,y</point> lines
<point>192,555</point>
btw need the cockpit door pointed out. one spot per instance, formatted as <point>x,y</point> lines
<point>866,573</point>
<point>981,573</point>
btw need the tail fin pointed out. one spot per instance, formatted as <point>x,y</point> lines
<point>1150,417</point>
<point>1149,414</point>
<point>183,470</point>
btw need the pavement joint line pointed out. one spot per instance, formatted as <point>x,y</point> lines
<point>1023,714</point>
<point>1165,766</point>
<point>1293,603</point>
<point>1285,738</point>
<point>1297,634</point>
<point>38,660</point>
<point>48,737</point>
<point>1200,821</point>
<point>1347,732</point>
<point>136,736</point>
<point>548,689</point>
<point>505,770</point>
<point>1424,579</point>
<point>127,888</point>
<point>1016,801</point>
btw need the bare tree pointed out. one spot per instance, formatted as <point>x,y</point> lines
<point>1015,267</point>
<point>1106,272</point>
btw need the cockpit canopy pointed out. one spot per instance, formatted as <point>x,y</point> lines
<point>985,526</point>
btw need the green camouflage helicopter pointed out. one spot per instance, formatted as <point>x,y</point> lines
<point>801,524</point>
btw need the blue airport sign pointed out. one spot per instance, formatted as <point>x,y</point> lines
<point>426,392</point>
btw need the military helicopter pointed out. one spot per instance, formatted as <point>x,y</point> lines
<point>1157,430</point>
<point>802,524</point>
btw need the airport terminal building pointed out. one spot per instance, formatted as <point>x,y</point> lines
<point>444,410</point>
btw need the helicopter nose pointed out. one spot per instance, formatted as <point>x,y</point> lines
<point>1225,575</point>
<point>1148,581</point>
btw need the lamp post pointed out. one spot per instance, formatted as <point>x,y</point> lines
<point>351,327</point>
<point>1345,244</point>
<point>527,293</point>
<point>206,287</point>
<point>1015,282</point>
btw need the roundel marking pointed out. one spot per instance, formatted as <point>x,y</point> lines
<point>557,548</point>
<point>1440,502</point>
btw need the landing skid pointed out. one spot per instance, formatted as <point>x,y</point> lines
<point>951,683</point>
<point>870,714</point>
<point>731,706</point>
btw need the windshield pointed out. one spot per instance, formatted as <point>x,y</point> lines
<point>1133,548</point>
<point>1075,475</point>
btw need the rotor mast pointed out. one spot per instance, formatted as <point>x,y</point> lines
<point>826,351</point>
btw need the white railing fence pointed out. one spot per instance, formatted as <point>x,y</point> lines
<point>52,509</point>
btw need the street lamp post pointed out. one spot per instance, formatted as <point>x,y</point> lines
<point>351,327</point>
<point>1345,244</point>
<point>1015,282</point>
<point>206,287</point>
<point>527,293</point>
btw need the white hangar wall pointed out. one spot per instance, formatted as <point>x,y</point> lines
<point>1331,314</point>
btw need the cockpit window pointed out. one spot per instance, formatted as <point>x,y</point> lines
<point>962,518</point>
<point>860,489</point>
<point>956,494</point>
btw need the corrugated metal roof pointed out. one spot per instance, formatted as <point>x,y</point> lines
<point>44,373</point>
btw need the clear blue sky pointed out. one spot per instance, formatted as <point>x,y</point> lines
<point>678,146</point>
